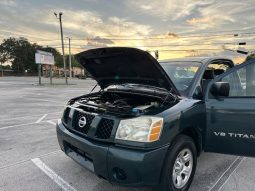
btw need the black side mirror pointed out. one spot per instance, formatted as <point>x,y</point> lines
<point>220,89</point>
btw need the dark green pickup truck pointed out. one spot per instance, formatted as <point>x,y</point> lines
<point>150,121</point>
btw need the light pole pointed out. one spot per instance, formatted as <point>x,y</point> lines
<point>70,59</point>
<point>59,16</point>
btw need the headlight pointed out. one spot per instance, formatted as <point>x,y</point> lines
<point>141,129</point>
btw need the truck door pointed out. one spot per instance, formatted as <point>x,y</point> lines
<point>230,119</point>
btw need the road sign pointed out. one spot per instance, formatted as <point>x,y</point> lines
<point>42,57</point>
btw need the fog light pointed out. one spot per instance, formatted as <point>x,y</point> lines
<point>119,174</point>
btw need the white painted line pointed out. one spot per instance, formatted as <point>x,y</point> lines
<point>23,161</point>
<point>224,173</point>
<point>20,125</point>
<point>21,117</point>
<point>15,83</point>
<point>40,119</point>
<point>50,173</point>
<point>51,122</point>
<point>231,173</point>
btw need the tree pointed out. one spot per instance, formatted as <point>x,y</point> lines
<point>8,67</point>
<point>75,63</point>
<point>20,53</point>
<point>251,56</point>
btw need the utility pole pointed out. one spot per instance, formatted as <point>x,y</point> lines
<point>70,59</point>
<point>40,73</point>
<point>59,16</point>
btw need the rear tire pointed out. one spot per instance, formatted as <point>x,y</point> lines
<point>180,165</point>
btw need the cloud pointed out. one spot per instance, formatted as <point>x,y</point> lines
<point>116,23</point>
<point>75,20</point>
<point>97,42</point>
<point>79,24</point>
<point>90,23</point>
<point>9,3</point>
<point>98,39</point>
<point>195,21</point>
<point>171,35</point>
<point>169,10</point>
<point>217,15</point>
<point>195,15</point>
<point>146,7</point>
<point>201,23</point>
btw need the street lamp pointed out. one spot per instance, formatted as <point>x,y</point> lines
<point>59,16</point>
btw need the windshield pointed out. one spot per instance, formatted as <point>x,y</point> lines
<point>181,73</point>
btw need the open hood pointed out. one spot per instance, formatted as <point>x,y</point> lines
<point>119,65</point>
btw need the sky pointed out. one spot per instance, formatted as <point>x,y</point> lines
<point>177,28</point>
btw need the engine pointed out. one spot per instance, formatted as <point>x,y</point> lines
<point>120,103</point>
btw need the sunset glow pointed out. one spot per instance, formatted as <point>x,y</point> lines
<point>199,28</point>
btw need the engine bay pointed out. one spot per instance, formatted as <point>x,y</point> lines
<point>122,103</point>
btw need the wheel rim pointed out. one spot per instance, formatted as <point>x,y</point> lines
<point>182,168</point>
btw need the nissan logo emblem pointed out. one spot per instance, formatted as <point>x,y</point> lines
<point>82,122</point>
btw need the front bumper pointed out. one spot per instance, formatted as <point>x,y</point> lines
<point>118,165</point>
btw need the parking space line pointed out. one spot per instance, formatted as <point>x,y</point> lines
<point>24,124</point>
<point>51,174</point>
<point>23,161</point>
<point>19,125</point>
<point>51,122</point>
<point>40,119</point>
<point>227,173</point>
<point>231,173</point>
<point>1,120</point>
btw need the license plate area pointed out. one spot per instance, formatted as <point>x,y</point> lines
<point>80,157</point>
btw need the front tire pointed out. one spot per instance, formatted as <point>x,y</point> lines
<point>180,165</point>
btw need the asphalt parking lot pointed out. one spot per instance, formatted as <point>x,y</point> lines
<point>30,158</point>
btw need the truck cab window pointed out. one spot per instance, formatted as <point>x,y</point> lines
<point>241,81</point>
<point>213,70</point>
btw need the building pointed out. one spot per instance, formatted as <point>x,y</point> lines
<point>59,72</point>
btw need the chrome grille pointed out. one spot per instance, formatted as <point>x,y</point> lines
<point>76,118</point>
